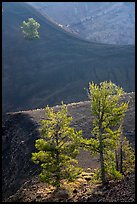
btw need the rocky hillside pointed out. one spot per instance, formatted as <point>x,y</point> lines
<point>57,66</point>
<point>20,130</point>
<point>105,22</point>
<point>35,191</point>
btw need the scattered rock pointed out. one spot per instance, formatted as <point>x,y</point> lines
<point>87,178</point>
<point>75,191</point>
<point>62,193</point>
<point>38,196</point>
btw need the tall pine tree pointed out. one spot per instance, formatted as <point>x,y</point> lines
<point>108,112</point>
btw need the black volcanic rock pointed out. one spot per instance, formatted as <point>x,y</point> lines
<point>20,130</point>
<point>58,66</point>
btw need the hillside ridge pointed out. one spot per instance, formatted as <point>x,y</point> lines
<point>94,21</point>
<point>58,66</point>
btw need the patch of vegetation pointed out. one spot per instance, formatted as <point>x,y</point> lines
<point>108,141</point>
<point>30,29</point>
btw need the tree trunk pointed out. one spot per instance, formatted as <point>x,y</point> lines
<point>121,151</point>
<point>103,177</point>
<point>121,154</point>
<point>57,159</point>
<point>116,156</point>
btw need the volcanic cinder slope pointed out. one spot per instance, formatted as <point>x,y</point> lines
<point>58,66</point>
<point>20,130</point>
<point>105,22</point>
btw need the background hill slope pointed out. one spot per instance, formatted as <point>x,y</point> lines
<point>106,22</point>
<point>56,67</point>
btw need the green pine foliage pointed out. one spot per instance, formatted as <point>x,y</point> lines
<point>58,147</point>
<point>125,155</point>
<point>30,29</point>
<point>128,157</point>
<point>108,114</point>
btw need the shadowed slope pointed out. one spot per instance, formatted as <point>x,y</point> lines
<point>56,67</point>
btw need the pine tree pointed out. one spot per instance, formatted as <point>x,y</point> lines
<point>128,164</point>
<point>57,148</point>
<point>108,112</point>
<point>30,29</point>
<point>125,154</point>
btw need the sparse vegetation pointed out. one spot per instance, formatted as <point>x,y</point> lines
<point>26,123</point>
<point>60,144</point>
<point>72,160</point>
